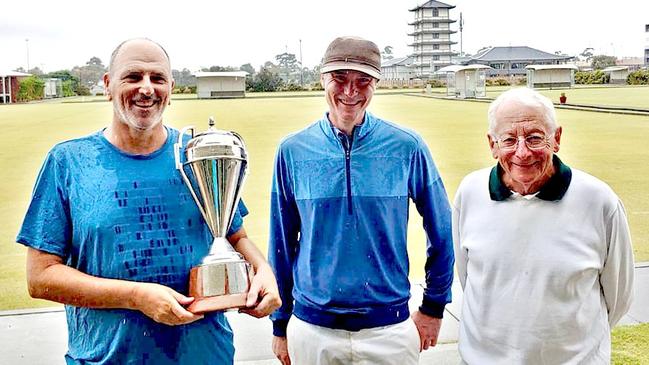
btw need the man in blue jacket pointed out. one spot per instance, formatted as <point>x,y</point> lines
<point>339,216</point>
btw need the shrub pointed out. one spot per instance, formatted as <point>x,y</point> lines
<point>291,87</point>
<point>31,88</point>
<point>639,77</point>
<point>436,83</point>
<point>591,77</point>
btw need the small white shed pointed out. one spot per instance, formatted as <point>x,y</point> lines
<point>551,75</point>
<point>53,88</point>
<point>465,81</point>
<point>617,74</point>
<point>211,85</point>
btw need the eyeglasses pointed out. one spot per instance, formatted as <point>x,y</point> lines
<point>533,142</point>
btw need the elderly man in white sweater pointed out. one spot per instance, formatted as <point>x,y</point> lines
<point>543,251</point>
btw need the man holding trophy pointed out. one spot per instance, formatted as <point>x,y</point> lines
<point>114,230</point>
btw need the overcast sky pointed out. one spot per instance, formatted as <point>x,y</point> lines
<point>62,34</point>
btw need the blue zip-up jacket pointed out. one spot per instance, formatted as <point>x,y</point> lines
<point>339,219</point>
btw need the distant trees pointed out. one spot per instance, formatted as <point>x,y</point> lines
<point>289,67</point>
<point>387,53</point>
<point>183,78</point>
<point>89,74</point>
<point>602,61</point>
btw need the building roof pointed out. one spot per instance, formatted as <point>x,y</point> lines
<point>457,68</point>
<point>616,68</point>
<point>566,66</point>
<point>5,73</point>
<point>433,4</point>
<point>515,54</point>
<point>221,74</point>
<point>398,61</point>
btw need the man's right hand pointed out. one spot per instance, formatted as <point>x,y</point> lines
<point>280,348</point>
<point>163,304</point>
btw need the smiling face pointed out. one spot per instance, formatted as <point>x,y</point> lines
<point>525,170</point>
<point>139,84</point>
<point>348,94</point>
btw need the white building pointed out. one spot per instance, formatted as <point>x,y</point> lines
<point>465,81</point>
<point>617,74</point>
<point>646,45</point>
<point>399,68</point>
<point>551,75</point>
<point>212,85</point>
<point>431,38</point>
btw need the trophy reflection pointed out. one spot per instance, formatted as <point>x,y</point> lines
<point>218,163</point>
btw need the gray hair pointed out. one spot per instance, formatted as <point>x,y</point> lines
<point>119,47</point>
<point>527,97</point>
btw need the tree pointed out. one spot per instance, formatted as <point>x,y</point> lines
<point>91,73</point>
<point>36,71</point>
<point>184,77</point>
<point>602,61</point>
<point>587,53</point>
<point>266,80</point>
<point>218,69</point>
<point>387,53</point>
<point>289,65</point>
<point>248,68</point>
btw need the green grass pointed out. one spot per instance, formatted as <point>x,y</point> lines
<point>629,345</point>
<point>611,147</point>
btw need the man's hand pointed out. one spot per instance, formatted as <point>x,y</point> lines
<point>163,304</point>
<point>263,296</point>
<point>428,328</point>
<point>280,349</point>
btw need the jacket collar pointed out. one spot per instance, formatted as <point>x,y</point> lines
<point>360,131</point>
<point>553,190</point>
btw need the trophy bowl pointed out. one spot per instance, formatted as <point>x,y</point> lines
<point>218,163</point>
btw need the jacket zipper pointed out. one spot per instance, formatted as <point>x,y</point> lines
<point>348,173</point>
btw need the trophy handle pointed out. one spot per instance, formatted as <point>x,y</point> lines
<point>179,165</point>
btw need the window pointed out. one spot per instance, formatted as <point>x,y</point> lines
<point>435,25</point>
<point>435,46</point>
<point>646,28</point>
<point>435,57</point>
<point>435,35</point>
<point>436,13</point>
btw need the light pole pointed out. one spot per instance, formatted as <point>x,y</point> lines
<point>27,47</point>
<point>301,66</point>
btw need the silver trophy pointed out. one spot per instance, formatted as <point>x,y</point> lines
<point>218,163</point>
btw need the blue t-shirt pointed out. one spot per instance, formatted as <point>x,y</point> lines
<point>115,215</point>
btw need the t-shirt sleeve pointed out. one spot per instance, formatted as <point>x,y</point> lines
<point>237,221</point>
<point>47,226</point>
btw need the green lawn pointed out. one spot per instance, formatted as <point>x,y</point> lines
<point>609,146</point>
<point>630,345</point>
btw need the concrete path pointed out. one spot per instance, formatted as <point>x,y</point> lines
<point>35,337</point>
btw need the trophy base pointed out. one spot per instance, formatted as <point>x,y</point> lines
<point>219,284</point>
<point>218,303</point>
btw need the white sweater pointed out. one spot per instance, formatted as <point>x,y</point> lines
<point>544,281</point>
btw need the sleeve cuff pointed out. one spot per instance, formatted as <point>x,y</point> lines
<point>279,327</point>
<point>432,309</point>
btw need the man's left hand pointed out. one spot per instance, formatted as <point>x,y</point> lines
<point>428,328</point>
<point>263,297</point>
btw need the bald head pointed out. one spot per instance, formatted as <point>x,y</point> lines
<point>137,42</point>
